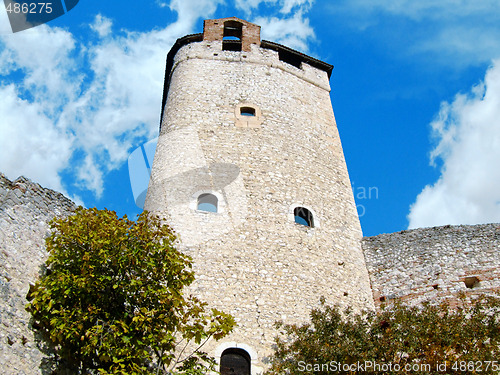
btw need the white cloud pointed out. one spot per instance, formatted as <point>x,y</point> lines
<point>294,32</point>
<point>286,6</point>
<point>56,119</point>
<point>102,26</point>
<point>418,10</point>
<point>30,143</point>
<point>161,4</point>
<point>247,6</point>
<point>468,131</point>
<point>43,54</point>
<point>454,32</point>
<point>191,10</point>
<point>289,5</point>
<point>462,45</point>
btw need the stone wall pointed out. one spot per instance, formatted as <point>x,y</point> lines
<point>434,263</point>
<point>251,259</point>
<point>25,210</point>
<point>415,265</point>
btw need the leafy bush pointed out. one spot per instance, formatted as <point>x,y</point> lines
<point>111,301</point>
<point>429,339</point>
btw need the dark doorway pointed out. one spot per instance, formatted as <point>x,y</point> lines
<point>234,361</point>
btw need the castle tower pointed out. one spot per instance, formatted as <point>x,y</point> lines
<point>249,171</point>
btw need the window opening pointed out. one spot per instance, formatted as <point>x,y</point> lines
<point>247,111</point>
<point>233,32</point>
<point>471,282</point>
<point>207,202</point>
<point>234,361</point>
<point>233,29</point>
<point>290,58</point>
<point>303,216</point>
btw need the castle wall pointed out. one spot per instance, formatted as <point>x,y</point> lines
<point>251,259</point>
<point>25,210</point>
<point>414,265</point>
<point>434,263</point>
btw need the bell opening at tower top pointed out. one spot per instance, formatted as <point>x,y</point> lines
<point>233,32</point>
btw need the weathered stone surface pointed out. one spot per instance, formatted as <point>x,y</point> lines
<point>251,259</point>
<point>25,210</point>
<point>434,263</point>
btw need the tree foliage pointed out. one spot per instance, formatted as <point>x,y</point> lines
<point>428,339</point>
<point>111,301</point>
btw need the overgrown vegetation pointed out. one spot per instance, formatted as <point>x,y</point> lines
<point>428,339</point>
<point>111,301</point>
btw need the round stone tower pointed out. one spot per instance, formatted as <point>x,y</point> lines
<point>249,171</point>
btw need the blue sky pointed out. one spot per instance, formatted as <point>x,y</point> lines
<point>415,91</point>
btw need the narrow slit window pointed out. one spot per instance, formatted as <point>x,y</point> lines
<point>247,111</point>
<point>207,202</point>
<point>303,216</point>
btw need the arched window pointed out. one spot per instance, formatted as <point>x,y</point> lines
<point>303,216</point>
<point>234,361</point>
<point>247,111</point>
<point>233,31</point>
<point>207,202</point>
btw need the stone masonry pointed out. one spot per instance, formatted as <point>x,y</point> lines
<point>255,129</point>
<point>434,264</point>
<point>250,257</point>
<point>25,210</point>
<point>428,264</point>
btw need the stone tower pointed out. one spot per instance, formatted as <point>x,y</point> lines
<point>249,171</point>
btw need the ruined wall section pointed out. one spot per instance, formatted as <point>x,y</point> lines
<point>434,263</point>
<point>25,210</point>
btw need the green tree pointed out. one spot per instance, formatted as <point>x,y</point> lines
<point>428,339</point>
<point>111,300</point>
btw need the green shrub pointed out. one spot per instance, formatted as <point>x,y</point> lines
<point>111,301</point>
<point>428,339</point>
